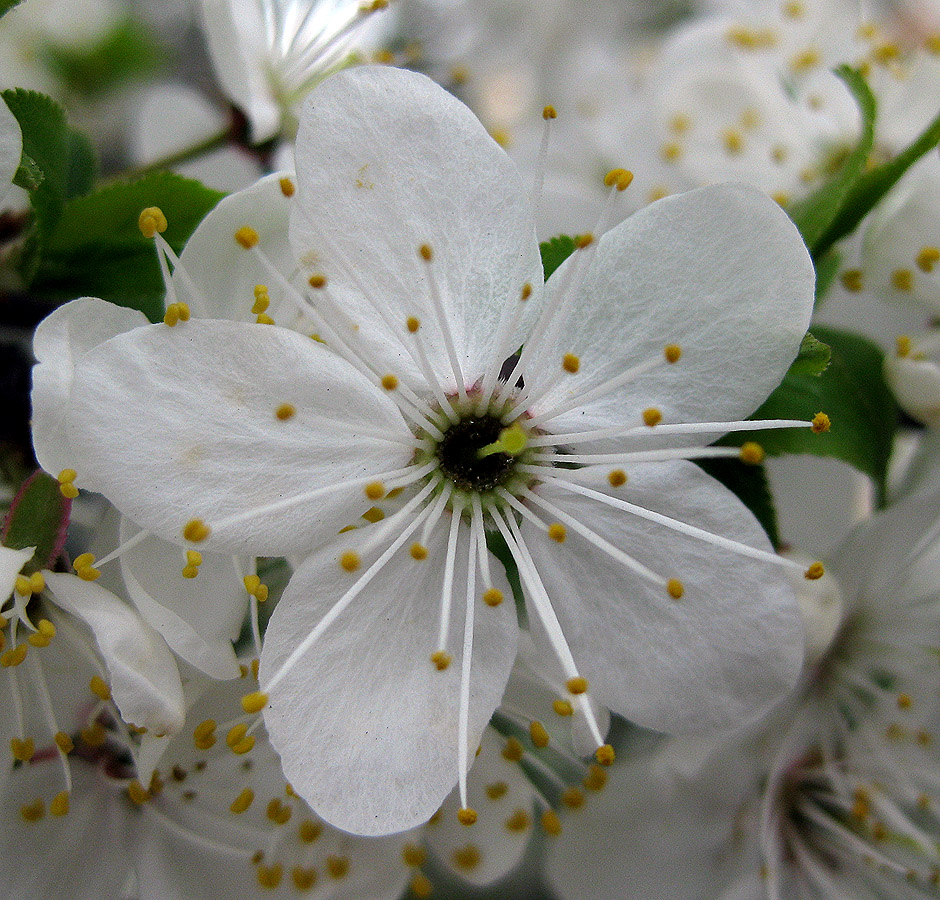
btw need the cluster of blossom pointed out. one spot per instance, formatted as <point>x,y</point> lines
<point>394,553</point>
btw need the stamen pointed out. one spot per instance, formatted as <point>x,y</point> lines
<point>443,322</point>
<point>548,116</point>
<point>476,536</point>
<point>447,588</point>
<point>504,345</point>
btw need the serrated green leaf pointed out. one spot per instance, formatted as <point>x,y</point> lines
<point>38,517</point>
<point>813,357</point>
<point>28,176</point>
<point>852,392</point>
<point>97,249</point>
<point>59,153</point>
<point>7,5</point>
<point>554,252</point>
<point>814,214</point>
<point>750,485</point>
<point>868,190</point>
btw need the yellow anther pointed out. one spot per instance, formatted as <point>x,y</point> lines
<point>261,304</point>
<point>619,178</point>
<point>513,750</point>
<point>466,816</point>
<point>675,588</point>
<point>389,382</point>
<point>337,866</point>
<point>577,685</point>
<point>419,551</point>
<point>151,221</point>
<point>927,258</point>
<point>584,240</point>
<point>904,701</point>
<point>496,790</point>
<point>815,572</point>
<point>671,151</point>
<point>64,742</point>
<point>903,346</point>
<point>794,9</point>
<point>549,112</point>
<point>526,291</point>
<point>570,363</point>
<point>557,532</point>
<point>190,571</point>
<point>304,879</point>
<point>39,640</point>
<point>373,514</point>
<point>886,53</point>
<point>88,573</point>
<point>538,734</point>
<point>781,198</point>
<point>459,75</point>
<point>23,750</point>
<point>441,660</point>
<point>37,584</point>
<point>751,453</point>
<point>261,290</point>
<point>413,323</point>
<point>492,596</point>
<point>278,812</point>
<point>174,314</point>
<point>264,319</point>
<point>413,855</point>
<point>317,281</point>
<point>242,801</point>
<point>137,792</point>
<point>426,253</point>
<point>308,831</point>
<point>59,804</point>
<point>596,778</point>
<point>254,702</point>
<point>13,657</point>
<point>468,857</point>
<point>821,423</point>
<point>94,735</point>
<point>551,824</point>
<point>196,531</point>
<point>285,411</point>
<point>932,44</point>
<point>68,490</point>
<point>269,876</point>
<point>563,707</point>
<point>750,119</point>
<point>99,687</point>
<point>33,812</point>
<point>193,558</point>
<point>287,186</point>
<point>605,755</point>
<point>421,886</point>
<point>501,136</point>
<point>652,416</point>
<point>375,490</point>
<point>518,821</point>
<point>349,561</point>
<point>805,60</point>
<point>22,586</point>
<point>673,353</point>
<point>247,237</point>
<point>617,478</point>
<point>81,562</point>
<point>733,141</point>
<point>573,797</point>
<point>751,38</point>
<point>923,801</point>
<point>852,280</point>
<point>236,734</point>
<point>244,746</point>
<point>902,279</point>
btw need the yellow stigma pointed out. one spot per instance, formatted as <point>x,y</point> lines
<point>254,702</point>
<point>815,572</point>
<point>652,416</point>
<point>285,411</point>
<point>467,816</point>
<point>605,755</point>
<point>247,237</point>
<point>151,221</point>
<point>751,453</point>
<point>675,588</point>
<point>852,280</point>
<point>375,490</point>
<point>196,531</point>
<point>350,561</point>
<point>538,734</point>
<point>548,113</point>
<point>672,352</point>
<point>441,660</point>
<point>512,441</point>
<point>425,252</point>
<point>570,363</point>
<point>577,685</point>
<point>492,596</point>
<point>821,423</point>
<point>389,382</point>
<point>317,281</point>
<point>287,187</point>
<point>557,532</point>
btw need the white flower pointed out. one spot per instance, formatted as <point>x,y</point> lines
<point>416,260</point>
<point>268,55</point>
<point>913,374</point>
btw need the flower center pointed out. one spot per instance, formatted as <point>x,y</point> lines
<point>462,458</point>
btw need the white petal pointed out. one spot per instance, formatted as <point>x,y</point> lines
<point>388,161</point>
<point>11,148</point>
<point>11,562</point>
<point>366,726</point>
<point>145,682</point>
<point>720,655</point>
<point>721,272</point>
<point>60,342</point>
<point>180,423</point>
<point>223,271</point>
<point>198,617</point>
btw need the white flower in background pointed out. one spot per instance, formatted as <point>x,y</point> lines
<point>269,54</point>
<point>913,374</point>
<point>11,148</point>
<point>417,263</point>
<point>835,795</point>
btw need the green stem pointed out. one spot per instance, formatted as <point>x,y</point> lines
<point>194,151</point>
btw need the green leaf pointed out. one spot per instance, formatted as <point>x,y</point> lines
<point>555,251</point>
<point>813,358</point>
<point>868,190</point>
<point>750,485</point>
<point>814,214</point>
<point>61,156</point>
<point>497,545</point>
<point>97,249</point>
<point>28,176</point>
<point>852,392</point>
<point>7,5</point>
<point>39,518</point>
<point>827,270</point>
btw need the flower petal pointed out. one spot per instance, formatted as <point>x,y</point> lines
<point>719,655</point>
<point>182,423</point>
<point>11,562</point>
<point>388,161</point>
<point>721,272</point>
<point>366,725</point>
<point>145,682</point>
<point>61,340</point>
